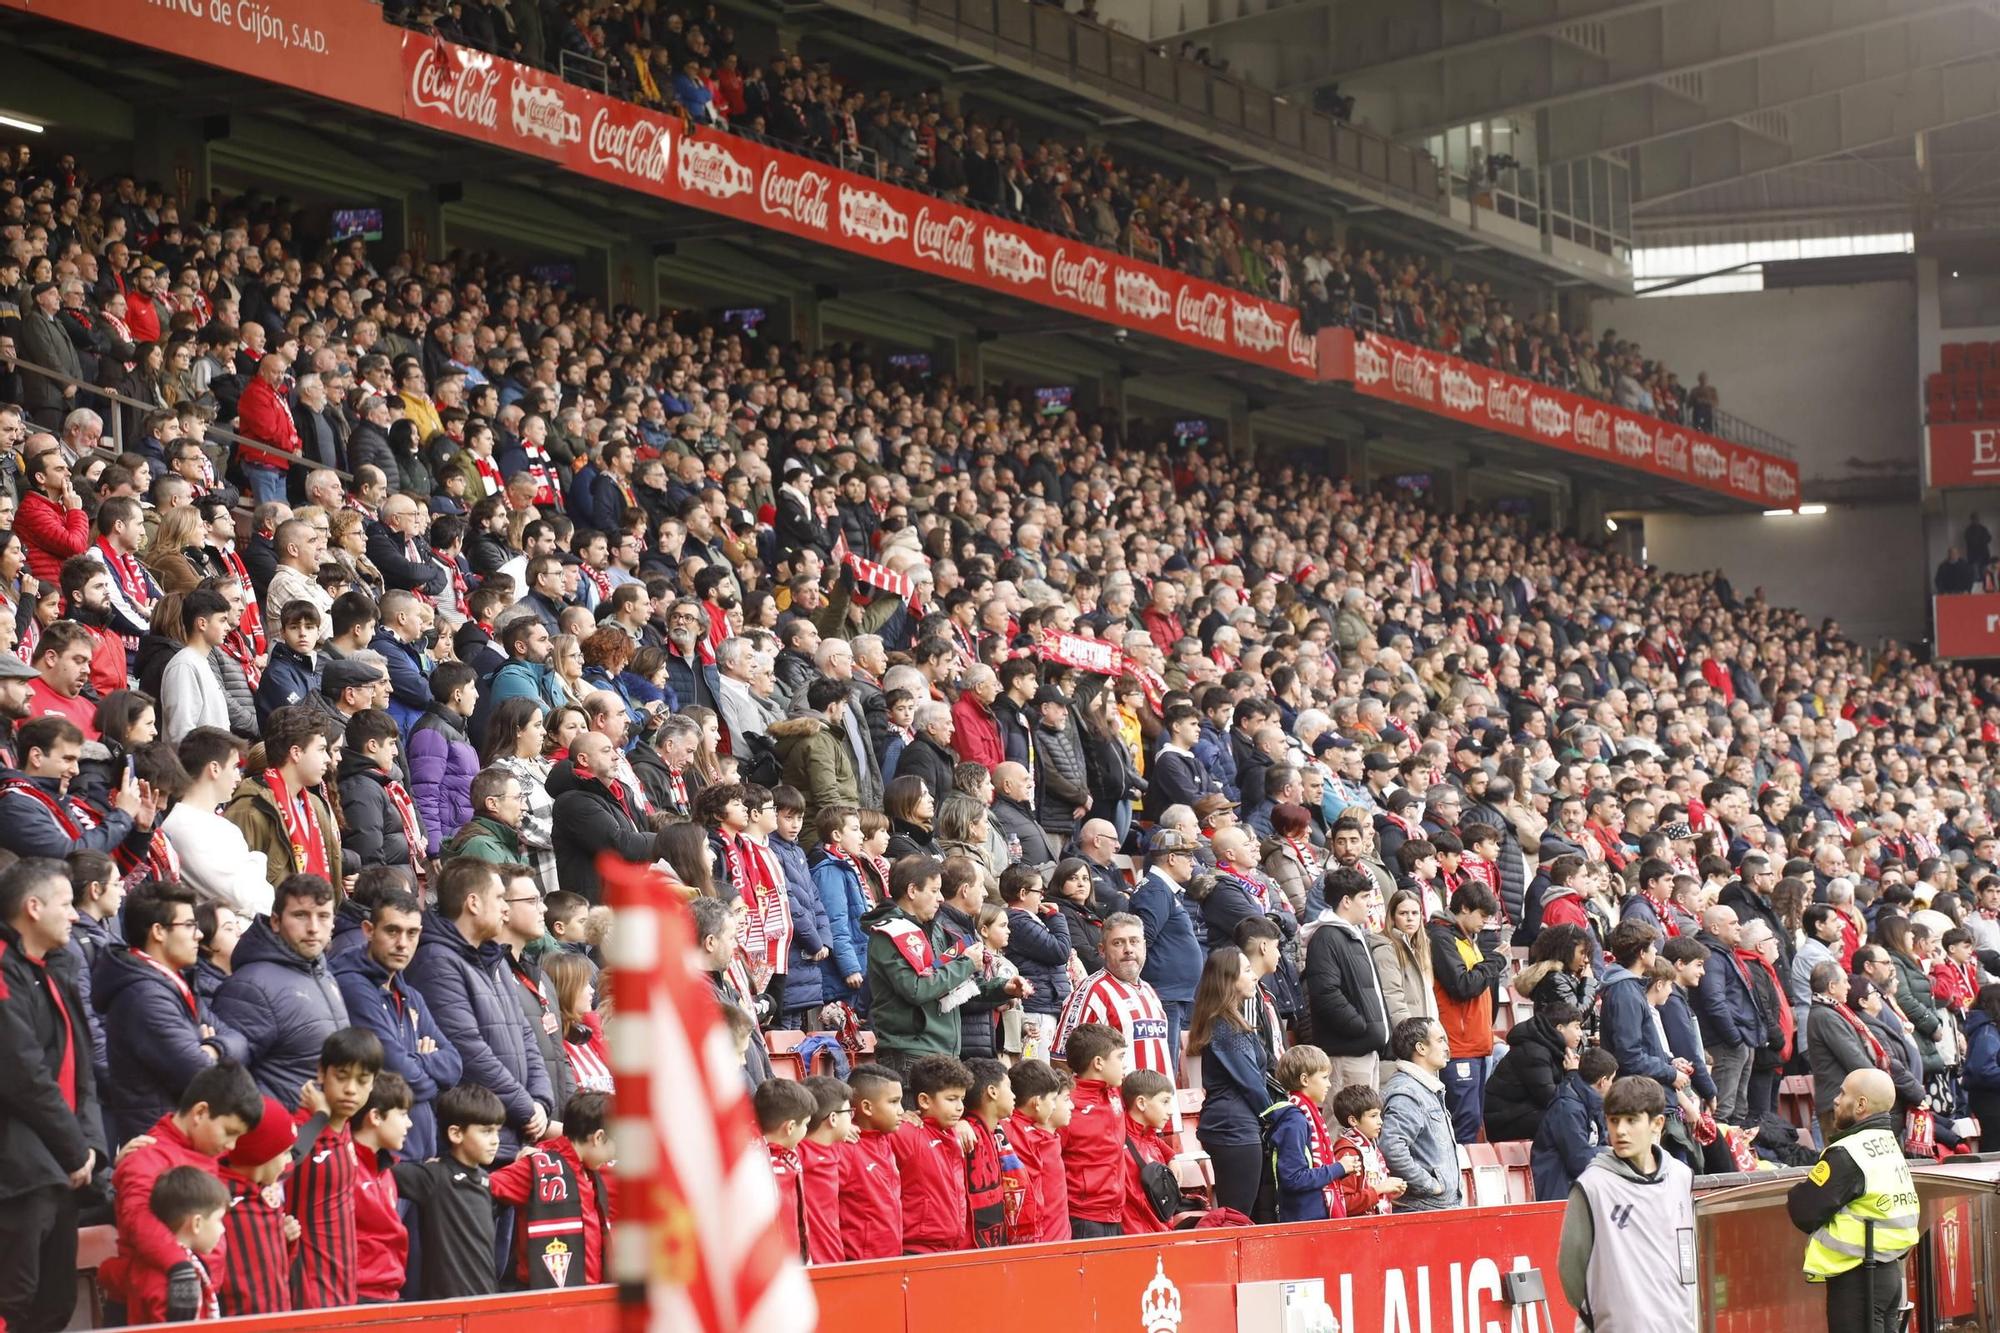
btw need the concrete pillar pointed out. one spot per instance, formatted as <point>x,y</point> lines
<point>968,360</point>
<point>174,151</point>
<point>1242,439</point>
<point>423,223</point>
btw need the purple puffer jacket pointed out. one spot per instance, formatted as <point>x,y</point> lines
<point>442,766</point>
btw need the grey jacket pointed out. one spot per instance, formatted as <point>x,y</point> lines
<point>1835,1050</point>
<point>1799,984</point>
<point>1417,1143</point>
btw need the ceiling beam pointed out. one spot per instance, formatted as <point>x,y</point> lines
<point>1839,122</point>
<point>1374,38</point>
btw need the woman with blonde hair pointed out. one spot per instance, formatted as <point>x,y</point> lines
<point>1402,955</point>
<point>566,656</point>
<point>707,762</point>
<point>961,831</point>
<point>179,532</point>
<point>574,982</point>
<point>347,546</point>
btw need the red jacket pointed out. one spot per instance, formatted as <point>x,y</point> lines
<point>975,734</point>
<point>788,1171</point>
<point>871,1198</point>
<point>1166,630</point>
<point>511,1184</point>
<point>936,1217</point>
<point>1138,1217</point>
<point>262,415</point>
<point>1093,1144</point>
<point>108,668</point>
<point>381,1241</point>
<point>1562,907</point>
<point>137,1274</point>
<point>822,1190</point>
<point>51,534</point>
<point>1044,1211</point>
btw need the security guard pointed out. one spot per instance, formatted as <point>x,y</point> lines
<point>1859,1205</point>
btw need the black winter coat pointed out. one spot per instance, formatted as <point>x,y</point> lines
<point>589,820</point>
<point>152,1041</point>
<point>41,1139</point>
<point>925,758</point>
<point>374,826</point>
<point>1524,1084</point>
<point>1349,1016</point>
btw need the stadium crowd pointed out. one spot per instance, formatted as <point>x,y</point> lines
<point>690,60</point>
<point>1046,769</point>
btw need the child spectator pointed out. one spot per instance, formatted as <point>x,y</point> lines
<point>1572,1130</point>
<point>1689,959</point>
<point>1302,1157</point>
<point>1955,976</point>
<point>257,1232</point>
<point>742,1036</point>
<point>989,1100</point>
<point>220,1104</point>
<point>1093,1143</point>
<point>828,1139</point>
<point>1149,1105</point>
<point>994,931</point>
<point>812,929</point>
<point>1041,1109</point>
<point>1480,862</point>
<point>572,985</point>
<point>381,1241</point>
<point>560,1194</point>
<point>566,918</point>
<point>929,1160</point>
<point>451,1197</point>
<point>871,1190</point>
<point>1643,1262</point>
<point>189,1203</point>
<point>784,1116</point>
<point>323,1185</point>
<point>1038,945</point>
<point>1367,1187</point>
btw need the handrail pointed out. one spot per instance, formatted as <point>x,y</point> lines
<point>117,420</point>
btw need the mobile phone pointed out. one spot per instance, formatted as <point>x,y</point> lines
<point>131,767</point>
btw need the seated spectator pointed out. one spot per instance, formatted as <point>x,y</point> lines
<point>1572,1132</point>
<point>1542,1051</point>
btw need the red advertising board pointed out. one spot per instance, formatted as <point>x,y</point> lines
<point>1962,454</point>
<point>1434,382</point>
<point>1968,624</point>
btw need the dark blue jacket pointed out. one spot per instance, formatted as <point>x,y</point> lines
<point>1038,946</point>
<point>398,1015</point>
<point>1626,1026</point>
<point>153,1041</point>
<point>208,979</point>
<point>284,1006</point>
<point>289,678</point>
<point>839,886</point>
<point>1301,1186</point>
<point>409,679</point>
<point>812,929</point>
<point>681,679</point>
<point>1173,954</point>
<point>1218,757</point>
<point>1236,1091</point>
<point>347,936</point>
<point>1571,1133</point>
<point>89,940</point>
<point>1684,1040</point>
<point>1723,1003</point>
<point>442,767</point>
<point>471,993</point>
<point>1982,1052</point>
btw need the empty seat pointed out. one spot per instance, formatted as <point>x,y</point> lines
<point>1953,356</point>
<point>1489,1177</point>
<point>1517,1156</point>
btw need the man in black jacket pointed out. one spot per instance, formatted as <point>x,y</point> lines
<point>1350,1021</point>
<point>593,813</point>
<point>394,549</point>
<point>51,1136</point>
<point>1176,776</point>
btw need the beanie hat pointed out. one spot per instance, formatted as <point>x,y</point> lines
<point>274,1133</point>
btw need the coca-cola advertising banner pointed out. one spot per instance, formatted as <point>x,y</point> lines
<point>1968,624</point>
<point>1385,368</point>
<point>511,106</point>
<point>1963,454</point>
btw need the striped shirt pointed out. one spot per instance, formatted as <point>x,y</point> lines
<point>256,1278</point>
<point>1133,1010</point>
<point>322,1198</point>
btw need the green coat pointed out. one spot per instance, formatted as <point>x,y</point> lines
<point>903,1007</point>
<point>818,761</point>
<point>486,839</point>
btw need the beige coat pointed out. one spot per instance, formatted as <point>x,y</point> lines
<point>1406,981</point>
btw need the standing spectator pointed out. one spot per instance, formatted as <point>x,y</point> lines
<point>1822,927</point>
<point>524,924</point>
<point>813,749</point>
<point>191,693</point>
<point>381,819</point>
<point>1417,1140</point>
<point>51,1133</point>
<point>1118,998</point>
<point>1628,1222</point>
<point>1465,971</point>
<point>1350,1020</point>
<point>262,415</point>
<point>837,878</point>
<point>460,969</point>
<point>50,521</point>
<point>36,819</point>
<point>1236,1075</point>
<point>915,967</point>
<point>1841,1044</point>
<point>1402,953</point>
<point>1725,1007</point>
<point>214,858</point>
<point>1173,954</point>
<point>1038,946</point>
<point>975,728</point>
<point>594,815</point>
<point>380,999</point>
<point>442,760</point>
<point>280,996</point>
<point>281,812</point>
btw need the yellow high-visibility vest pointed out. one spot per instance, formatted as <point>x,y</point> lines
<point>1881,1224</point>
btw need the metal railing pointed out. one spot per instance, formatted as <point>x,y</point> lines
<point>584,71</point>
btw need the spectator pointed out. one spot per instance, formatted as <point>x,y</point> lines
<point>1542,1051</point>
<point>281,812</point>
<point>1118,998</point>
<point>213,856</point>
<point>50,522</point>
<point>1236,1075</point>
<point>442,760</point>
<point>380,818</point>
<point>1038,946</point>
<point>1465,971</point>
<point>594,815</point>
<point>379,998</point>
<point>1402,953</point>
<point>36,818</point>
<point>1350,1020</point>
<point>1732,1029</point>
<point>1689,959</point>
<point>1573,1131</point>
<point>280,997</point>
<point>522,926</point>
<point>1630,1207</point>
<point>263,416</point>
<point>912,971</point>
<point>494,833</point>
<point>451,1198</point>
<point>1417,1135</point>
<point>62,658</point>
<point>813,748</point>
<point>1173,958</point>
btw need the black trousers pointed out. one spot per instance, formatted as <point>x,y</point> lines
<point>1868,1299</point>
<point>1243,1181</point>
<point>38,1260</point>
<point>1080,1229</point>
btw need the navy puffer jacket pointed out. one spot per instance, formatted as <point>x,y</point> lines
<point>152,1041</point>
<point>1038,944</point>
<point>284,1006</point>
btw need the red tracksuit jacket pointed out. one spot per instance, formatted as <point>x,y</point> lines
<point>936,1216</point>
<point>871,1198</point>
<point>1139,1218</point>
<point>788,1170</point>
<point>137,1274</point>
<point>1045,1191</point>
<point>822,1200</point>
<point>1093,1145</point>
<point>511,1183</point>
<point>381,1241</point>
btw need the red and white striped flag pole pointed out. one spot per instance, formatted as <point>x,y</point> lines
<point>697,1246</point>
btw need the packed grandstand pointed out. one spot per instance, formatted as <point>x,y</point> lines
<point>367,616</point>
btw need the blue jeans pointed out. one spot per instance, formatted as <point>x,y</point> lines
<point>1178,1013</point>
<point>1465,1089</point>
<point>267,484</point>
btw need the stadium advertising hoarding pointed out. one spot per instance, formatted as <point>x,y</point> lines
<point>1968,624</point>
<point>1962,454</point>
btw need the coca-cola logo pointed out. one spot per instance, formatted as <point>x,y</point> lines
<point>1547,417</point>
<point>1631,438</point>
<point>541,113</point>
<point>1204,314</point>
<point>1010,258</point>
<point>1507,402</point>
<point>1746,476</point>
<point>1670,451</point>
<point>1709,461</point>
<point>867,215</point>
<point>1459,390</point>
<point>1301,348</point>
<point>1414,375</point>
<point>1370,366</point>
<point>1778,482</point>
<point>1082,280</point>
<point>1139,296</point>
<point>706,167</point>
<point>639,148</point>
<point>800,198</point>
<point>459,84</point>
<point>1593,428</point>
<point>1254,329</point>
<point>944,238</point>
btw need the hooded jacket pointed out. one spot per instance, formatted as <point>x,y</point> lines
<point>1629,1030</point>
<point>838,884</point>
<point>283,1005</point>
<point>396,1012</point>
<point>152,1040</point>
<point>442,767</point>
<point>819,762</point>
<point>1570,1133</point>
<point>1527,1080</point>
<point>1464,974</point>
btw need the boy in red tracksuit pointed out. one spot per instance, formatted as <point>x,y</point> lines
<point>1041,1109</point>
<point>1093,1143</point>
<point>936,1213</point>
<point>221,1104</point>
<point>784,1113</point>
<point>871,1184</point>
<point>565,1217</point>
<point>381,1241</point>
<point>257,1231</point>
<point>189,1202</point>
<point>825,1142</point>
<point>1149,1106</point>
<point>988,1103</point>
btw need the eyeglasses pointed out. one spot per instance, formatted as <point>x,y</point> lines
<point>187,924</point>
<point>525,898</point>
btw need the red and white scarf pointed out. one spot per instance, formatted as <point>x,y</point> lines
<point>252,623</point>
<point>301,825</point>
<point>489,475</point>
<point>1319,1151</point>
<point>413,832</point>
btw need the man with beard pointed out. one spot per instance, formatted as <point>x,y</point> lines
<point>690,670</point>
<point>16,702</point>
<point>86,590</point>
<point>1859,1206</point>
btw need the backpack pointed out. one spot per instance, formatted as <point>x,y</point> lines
<point>1162,1187</point>
<point>759,763</point>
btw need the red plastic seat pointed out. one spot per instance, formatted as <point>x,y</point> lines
<point>1517,1156</point>
<point>1978,355</point>
<point>1953,356</point>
